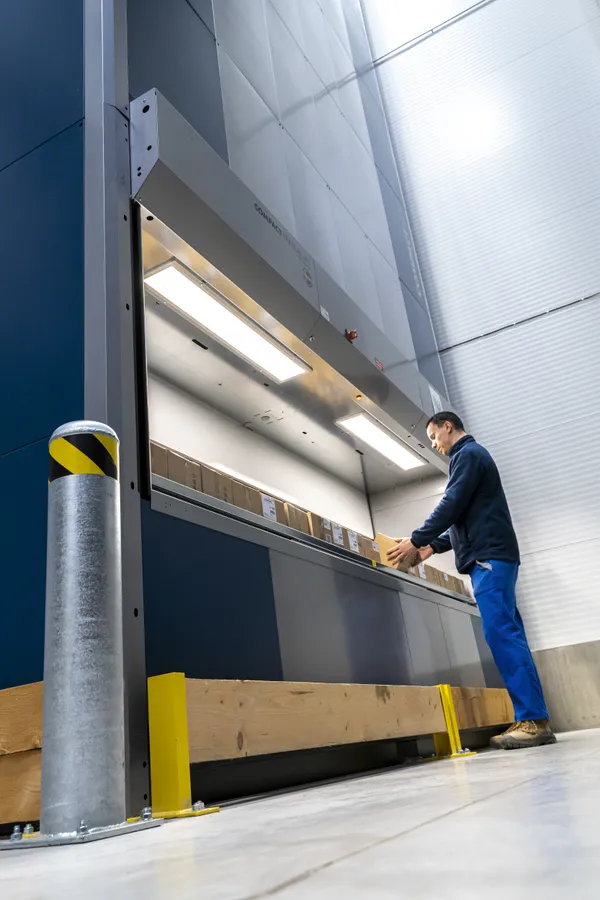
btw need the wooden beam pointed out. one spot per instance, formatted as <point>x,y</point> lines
<point>20,784</point>
<point>482,707</point>
<point>21,718</point>
<point>237,719</point>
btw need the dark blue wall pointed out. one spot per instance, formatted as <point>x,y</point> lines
<point>41,298</point>
<point>208,603</point>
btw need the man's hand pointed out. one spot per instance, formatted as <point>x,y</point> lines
<point>406,552</point>
<point>425,553</point>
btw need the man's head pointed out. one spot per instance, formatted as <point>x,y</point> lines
<point>444,429</point>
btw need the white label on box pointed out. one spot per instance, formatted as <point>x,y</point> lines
<point>325,314</point>
<point>326,525</point>
<point>328,539</point>
<point>269,508</point>
<point>446,576</point>
<point>422,570</point>
<point>353,541</point>
<point>375,546</point>
<point>338,535</point>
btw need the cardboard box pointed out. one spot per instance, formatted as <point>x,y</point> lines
<point>273,509</point>
<point>247,497</point>
<point>194,475</point>
<point>339,539</point>
<point>320,528</point>
<point>434,576</point>
<point>424,572</point>
<point>446,581</point>
<point>297,518</point>
<point>177,467</point>
<point>368,548</point>
<point>351,540</point>
<point>217,484</point>
<point>158,460</point>
<point>184,470</point>
<point>386,543</point>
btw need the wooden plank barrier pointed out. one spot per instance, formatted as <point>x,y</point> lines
<point>197,720</point>
<point>237,719</point>
<point>20,754</point>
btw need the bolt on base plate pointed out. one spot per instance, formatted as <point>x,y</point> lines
<point>78,837</point>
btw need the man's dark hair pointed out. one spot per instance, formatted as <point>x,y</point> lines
<point>439,418</point>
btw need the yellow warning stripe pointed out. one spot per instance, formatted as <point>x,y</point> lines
<point>111,445</point>
<point>72,459</point>
<point>84,454</point>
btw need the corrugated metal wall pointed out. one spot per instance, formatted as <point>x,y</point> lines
<point>495,122</point>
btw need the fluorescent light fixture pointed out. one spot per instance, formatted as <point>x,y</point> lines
<point>195,302</point>
<point>364,428</point>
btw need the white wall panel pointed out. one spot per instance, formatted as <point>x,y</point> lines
<point>181,422</point>
<point>393,24</point>
<point>495,123</point>
<point>499,162</point>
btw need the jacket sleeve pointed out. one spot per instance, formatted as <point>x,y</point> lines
<point>463,481</point>
<point>443,544</point>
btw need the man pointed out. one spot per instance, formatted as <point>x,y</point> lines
<point>473,519</point>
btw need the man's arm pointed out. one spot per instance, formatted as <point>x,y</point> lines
<point>461,486</point>
<point>443,544</point>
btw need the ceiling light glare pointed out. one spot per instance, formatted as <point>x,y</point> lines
<point>366,430</point>
<point>197,304</point>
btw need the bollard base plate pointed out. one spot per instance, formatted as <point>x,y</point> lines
<point>29,841</point>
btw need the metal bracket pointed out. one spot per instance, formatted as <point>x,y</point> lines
<point>27,841</point>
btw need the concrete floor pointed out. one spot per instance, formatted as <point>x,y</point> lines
<point>497,825</point>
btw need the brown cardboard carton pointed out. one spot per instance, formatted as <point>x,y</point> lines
<point>194,475</point>
<point>339,538</point>
<point>158,460</point>
<point>297,518</point>
<point>351,541</point>
<point>434,576</point>
<point>217,484</point>
<point>386,543</point>
<point>247,497</point>
<point>177,466</point>
<point>368,548</point>
<point>425,573</point>
<point>273,509</point>
<point>320,528</point>
<point>446,580</point>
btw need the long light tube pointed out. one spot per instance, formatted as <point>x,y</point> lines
<point>199,305</point>
<point>364,428</point>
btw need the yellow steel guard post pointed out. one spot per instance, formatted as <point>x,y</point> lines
<point>169,749</point>
<point>447,743</point>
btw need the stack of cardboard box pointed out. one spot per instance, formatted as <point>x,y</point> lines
<point>199,477</point>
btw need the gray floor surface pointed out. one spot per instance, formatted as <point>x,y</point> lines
<point>513,825</point>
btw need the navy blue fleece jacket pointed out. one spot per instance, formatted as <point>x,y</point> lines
<point>472,518</point>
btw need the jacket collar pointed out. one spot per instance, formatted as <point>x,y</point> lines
<point>467,439</point>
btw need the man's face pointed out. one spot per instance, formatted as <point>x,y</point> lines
<point>441,437</point>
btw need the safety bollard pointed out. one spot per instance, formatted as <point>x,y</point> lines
<point>83,766</point>
<point>83,741</point>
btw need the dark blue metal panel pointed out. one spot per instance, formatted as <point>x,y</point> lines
<point>24,480</point>
<point>41,72</point>
<point>208,602</point>
<point>41,310</point>
<point>171,49</point>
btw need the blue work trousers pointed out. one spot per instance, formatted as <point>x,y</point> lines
<point>494,585</point>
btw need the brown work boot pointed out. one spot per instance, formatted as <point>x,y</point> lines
<point>524,734</point>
